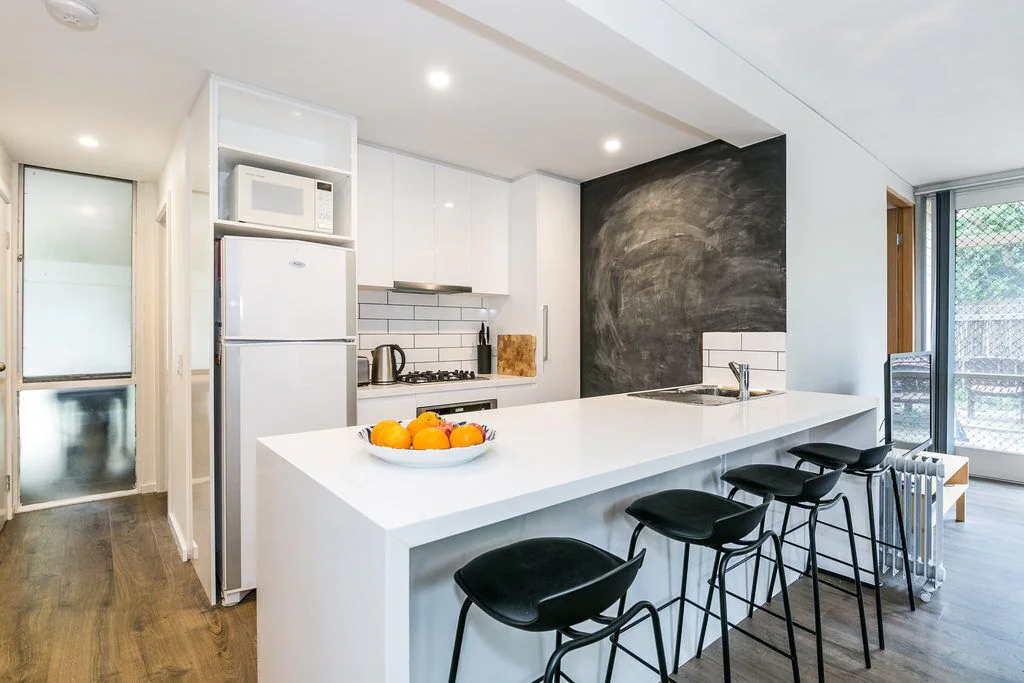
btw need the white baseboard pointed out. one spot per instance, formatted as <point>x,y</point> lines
<point>148,487</point>
<point>179,536</point>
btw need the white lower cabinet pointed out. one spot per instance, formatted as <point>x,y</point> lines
<point>522,395</point>
<point>373,410</point>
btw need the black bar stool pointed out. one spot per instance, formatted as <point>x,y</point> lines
<point>805,490</point>
<point>705,519</point>
<point>553,584</point>
<point>868,464</point>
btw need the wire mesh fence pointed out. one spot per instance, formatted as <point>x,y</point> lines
<point>989,327</point>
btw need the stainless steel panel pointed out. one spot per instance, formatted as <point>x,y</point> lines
<point>405,286</point>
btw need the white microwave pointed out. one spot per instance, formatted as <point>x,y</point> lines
<point>282,200</point>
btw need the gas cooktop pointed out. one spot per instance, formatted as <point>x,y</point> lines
<point>431,377</point>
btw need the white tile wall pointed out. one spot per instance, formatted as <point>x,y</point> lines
<point>436,331</point>
<point>764,351</point>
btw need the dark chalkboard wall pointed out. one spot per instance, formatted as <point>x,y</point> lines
<point>690,243</point>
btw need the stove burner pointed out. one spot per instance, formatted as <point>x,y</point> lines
<point>430,377</point>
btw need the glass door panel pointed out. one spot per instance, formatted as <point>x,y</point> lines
<point>76,395</point>
<point>988,334</point>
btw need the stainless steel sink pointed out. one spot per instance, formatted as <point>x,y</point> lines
<point>704,394</point>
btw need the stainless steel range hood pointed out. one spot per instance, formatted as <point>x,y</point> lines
<point>428,287</point>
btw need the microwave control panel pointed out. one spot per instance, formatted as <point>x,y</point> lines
<point>324,206</point>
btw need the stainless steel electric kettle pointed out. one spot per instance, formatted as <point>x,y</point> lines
<point>384,370</point>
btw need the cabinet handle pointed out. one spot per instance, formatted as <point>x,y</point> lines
<point>544,313</point>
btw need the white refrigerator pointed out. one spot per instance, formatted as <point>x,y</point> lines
<point>286,356</point>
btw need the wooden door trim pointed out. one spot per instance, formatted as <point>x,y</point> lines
<point>901,270</point>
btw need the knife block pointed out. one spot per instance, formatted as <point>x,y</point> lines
<point>483,359</point>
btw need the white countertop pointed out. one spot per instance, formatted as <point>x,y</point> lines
<point>403,389</point>
<point>546,454</point>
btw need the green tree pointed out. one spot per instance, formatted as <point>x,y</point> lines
<point>990,253</point>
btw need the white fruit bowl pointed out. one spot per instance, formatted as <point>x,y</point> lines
<point>445,457</point>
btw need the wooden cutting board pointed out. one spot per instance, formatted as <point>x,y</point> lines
<point>517,355</point>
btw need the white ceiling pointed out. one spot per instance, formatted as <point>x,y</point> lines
<point>935,90</point>
<point>131,82</point>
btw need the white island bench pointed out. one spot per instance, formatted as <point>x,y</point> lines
<point>356,556</point>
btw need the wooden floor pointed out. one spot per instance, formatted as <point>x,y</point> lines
<point>971,631</point>
<point>96,592</point>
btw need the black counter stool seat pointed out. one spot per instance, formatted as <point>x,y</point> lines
<point>867,463</point>
<point>705,519</point>
<point>552,584</point>
<point>807,491</point>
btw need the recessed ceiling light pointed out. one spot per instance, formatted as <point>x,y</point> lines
<point>88,141</point>
<point>296,113</point>
<point>449,205</point>
<point>89,211</point>
<point>612,145</point>
<point>438,79</point>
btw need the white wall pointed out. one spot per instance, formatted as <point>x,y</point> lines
<point>173,190</point>
<point>836,199</point>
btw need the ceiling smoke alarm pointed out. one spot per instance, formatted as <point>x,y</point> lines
<point>74,14</point>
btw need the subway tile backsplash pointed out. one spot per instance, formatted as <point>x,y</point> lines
<point>764,351</point>
<point>436,331</point>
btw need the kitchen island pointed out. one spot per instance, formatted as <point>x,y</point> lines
<point>356,556</point>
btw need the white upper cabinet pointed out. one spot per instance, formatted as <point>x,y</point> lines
<point>376,212</point>
<point>429,223</point>
<point>453,263</point>
<point>414,219</point>
<point>490,225</point>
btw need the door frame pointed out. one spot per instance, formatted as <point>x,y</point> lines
<point>7,199</point>
<point>901,269</point>
<point>16,382</point>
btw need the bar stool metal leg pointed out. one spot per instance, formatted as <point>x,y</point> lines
<point>782,537</point>
<point>785,606</point>
<point>723,598</point>
<point>459,632</point>
<point>622,607</point>
<point>812,560</point>
<point>903,538</point>
<point>757,568</point>
<point>877,582</point>
<point>682,605</point>
<point>707,606</point>
<point>856,581</point>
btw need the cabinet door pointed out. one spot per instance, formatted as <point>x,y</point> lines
<point>453,195</point>
<point>490,227</point>
<point>375,250</point>
<point>414,219</point>
<point>558,288</point>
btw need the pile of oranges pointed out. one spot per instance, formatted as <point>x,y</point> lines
<point>428,432</point>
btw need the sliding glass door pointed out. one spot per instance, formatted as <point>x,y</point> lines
<point>986,342</point>
<point>76,394</point>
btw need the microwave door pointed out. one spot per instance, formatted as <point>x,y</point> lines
<point>270,198</point>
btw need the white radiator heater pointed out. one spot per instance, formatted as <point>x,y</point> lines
<point>920,478</point>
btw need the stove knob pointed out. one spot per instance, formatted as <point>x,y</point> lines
<point>472,375</point>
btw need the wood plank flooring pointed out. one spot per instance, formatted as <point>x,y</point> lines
<point>96,592</point>
<point>971,631</point>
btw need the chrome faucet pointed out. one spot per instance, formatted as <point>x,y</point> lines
<point>742,374</point>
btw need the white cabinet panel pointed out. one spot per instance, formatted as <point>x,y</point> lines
<point>522,395</point>
<point>558,288</point>
<point>414,219</point>
<point>490,221</point>
<point>453,243</point>
<point>376,246</point>
<point>370,411</point>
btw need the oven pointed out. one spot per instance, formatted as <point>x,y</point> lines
<point>459,408</point>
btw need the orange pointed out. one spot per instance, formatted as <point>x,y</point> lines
<point>466,435</point>
<point>430,413</point>
<point>427,419</point>
<point>395,436</point>
<point>430,439</point>
<point>379,429</point>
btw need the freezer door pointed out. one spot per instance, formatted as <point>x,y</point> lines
<point>286,290</point>
<point>270,389</point>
